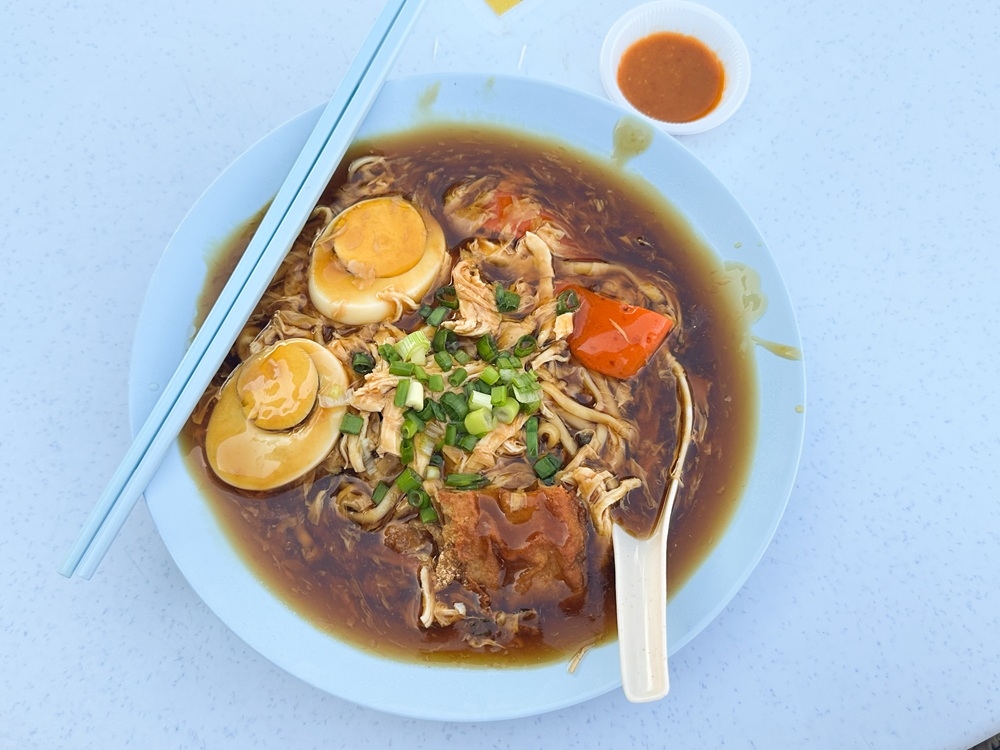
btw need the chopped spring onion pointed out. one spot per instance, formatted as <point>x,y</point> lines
<point>479,400</point>
<point>479,421</point>
<point>379,493</point>
<point>402,391</point>
<point>531,436</point>
<point>437,316</point>
<point>405,450</point>
<point>412,424</point>
<point>403,369</point>
<point>458,376</point>
<point>425,311</point>
<point>498,395</point>
<point>451,434</point>
<point>461,356</point>
<point>409,479</point>
<point>525,346</point>
<point>507,301</point>
<point>467,442</point>
<point>487,348</point>
<point>440,339</point>
<point>454,405</point>
<point>438,410</point>
<point>413,347</point>
<point>446,297</point>
<point>506,411</point>
<point>526,389</point>
<point>420,373</point>
<point>428,514</point>
<point>547,466</point>
<point>567,301</point>
<point>443,360</point>
<point>490,375</point>
<point>418,498</point>
<point>351,424</point>
<point>388,353</point>
<point>415,395</point>
<point>466,481</point>
<point>362,363</point>
<point>427,413</point>
<point>435,383</point>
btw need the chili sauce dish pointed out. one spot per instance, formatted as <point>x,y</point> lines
<point>677,63</point>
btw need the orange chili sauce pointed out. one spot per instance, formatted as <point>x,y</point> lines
<point>671,77</point>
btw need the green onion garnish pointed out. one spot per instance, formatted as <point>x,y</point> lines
<point>498,395</point>
<point>461,356</point>
<point>506,411</point>
<point>487,348</point>
<point>418,498</point>
<point>351,424</point>
<point>547,466</point>
<point>440,339</point>
<point>466,481</point>
<point>403,369</point>
<point>412,424</point>
<point>479,421</point>
<point>480,400</point>
<point>567,301</point>
<point>428,514</point>
<point>467,442</point>
<point>413,347</point>
<point>435,383</point>
<point>507,301</point>
<point>362,363</point>
<point>402,390</point>
<point>451,434</point>
<point>388,353</point>
<point>458,376</point>
<point>443,360</point>
<point>415,395</point>
<point>525,346</point>
<point>446,296</point>
<point>531,436</point>
<point>437,316</point>
<point>424,311</point>
<point>409,479</point>
<point>378,494</point>
<point>454,405</point>
<point>406,450</point>
<point>490,375</point>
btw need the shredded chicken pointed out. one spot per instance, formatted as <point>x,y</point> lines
<point>477,310</point>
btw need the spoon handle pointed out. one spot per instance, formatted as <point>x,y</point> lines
<point>641,589</point>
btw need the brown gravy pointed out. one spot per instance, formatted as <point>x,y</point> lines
<point>363,592</point>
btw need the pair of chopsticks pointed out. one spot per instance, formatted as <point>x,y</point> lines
<point>280,226</point>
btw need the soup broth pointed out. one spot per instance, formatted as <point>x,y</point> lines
<point>354,584</point>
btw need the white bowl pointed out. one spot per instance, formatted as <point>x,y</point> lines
<point>450,692</point>
<point>689,19</point>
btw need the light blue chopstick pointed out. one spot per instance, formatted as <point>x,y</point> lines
<point>280,226</point>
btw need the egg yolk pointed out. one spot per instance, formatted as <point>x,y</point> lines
<point>379,238</point>
<point>278,390</point>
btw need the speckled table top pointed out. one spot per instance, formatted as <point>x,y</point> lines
<point>866,152</point>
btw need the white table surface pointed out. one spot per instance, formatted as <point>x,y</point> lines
<point>867,153</point>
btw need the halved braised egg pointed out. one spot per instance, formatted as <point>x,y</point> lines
<point>371,251</point>
<point>277,416</point>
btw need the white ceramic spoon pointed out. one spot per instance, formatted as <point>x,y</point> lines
<point>641,581</point>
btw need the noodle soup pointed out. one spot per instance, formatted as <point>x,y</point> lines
<point>548,316</point>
